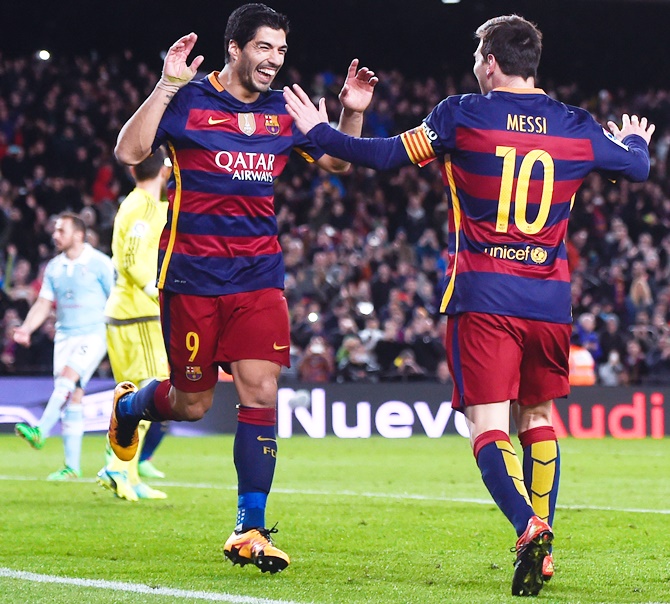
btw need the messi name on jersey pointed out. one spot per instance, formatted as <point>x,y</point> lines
<point>533,124</point>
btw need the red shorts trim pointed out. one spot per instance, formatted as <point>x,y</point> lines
<point>494,358</point>
<point>201,333</point>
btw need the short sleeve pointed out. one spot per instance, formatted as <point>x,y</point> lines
<point>47,289</point>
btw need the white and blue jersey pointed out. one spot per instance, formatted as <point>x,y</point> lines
<point>80,289</point>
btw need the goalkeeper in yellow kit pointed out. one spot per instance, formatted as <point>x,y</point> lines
<point>134,339</point>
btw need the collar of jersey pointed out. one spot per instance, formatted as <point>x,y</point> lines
<point>520,90</point>
<point>83,258</point>
<point>214,81</point>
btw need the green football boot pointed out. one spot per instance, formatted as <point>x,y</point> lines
<point>64,475</point>
<point>148,470</point>
<point>33,436</point>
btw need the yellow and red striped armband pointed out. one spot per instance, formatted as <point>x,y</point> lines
<point>418,147</point>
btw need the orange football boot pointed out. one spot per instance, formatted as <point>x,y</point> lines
<point>123,438</point>
<point>255,546</point>
<point>532,548</point>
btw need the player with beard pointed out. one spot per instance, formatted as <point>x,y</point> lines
<point>78,281</point>
<point>221,271</point>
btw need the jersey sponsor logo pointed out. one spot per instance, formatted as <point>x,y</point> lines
<point>265,438</point>
<point>278,347</point>
<point>246,165</point>
<point>537,255</point>
<point>247,123</point>
<point>193,373</point>
<point>272,123</point>
<point>213,122</point>
<point>614,139</point>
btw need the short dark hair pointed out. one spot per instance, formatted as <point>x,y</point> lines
<point>77,223</point>
<point>244,22</point>
<point>514,42</point>
<point>151,166</point>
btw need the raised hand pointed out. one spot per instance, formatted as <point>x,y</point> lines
<point>358,88</point>
<point>176,72</point>
<point>632,125</point>
<point>302,110</point>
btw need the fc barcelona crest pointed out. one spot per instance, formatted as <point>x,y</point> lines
<point>193,372</point>
<point>247,123</point>
<point>272,123</point>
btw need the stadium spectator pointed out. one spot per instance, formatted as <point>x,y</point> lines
<point>587,335</point>
<point>317,363</point>
<point>465,130</point>
<point>582,367</point>
<point>371,333</point>
<point>423,338</point>
<point>635,363</point>
<point>221,296</point>
<point>610,373</point>
<point>405,368</point>
<point>354,362</point>
<point>659,362</point>
<point>610,337</point>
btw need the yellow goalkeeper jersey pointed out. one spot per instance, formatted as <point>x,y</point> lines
<point>137,230</point>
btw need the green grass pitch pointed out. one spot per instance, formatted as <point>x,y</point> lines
<point>364,521</point>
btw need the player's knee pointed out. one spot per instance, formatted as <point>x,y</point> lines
<point>193,413</point>
<point>191,408</point>
<point>64,387</point>
<point>535,416</point>
<point>264,394</point>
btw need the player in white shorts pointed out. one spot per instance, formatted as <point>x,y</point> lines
<point>78,281</point>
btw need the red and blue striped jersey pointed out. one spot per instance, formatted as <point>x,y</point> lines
<point>221,231</point>
<point>512,162</point>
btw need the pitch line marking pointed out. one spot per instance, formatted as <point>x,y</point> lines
<point>397,496</point>
<point>138,588</point>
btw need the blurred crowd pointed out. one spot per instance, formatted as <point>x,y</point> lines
<point>364,251</point>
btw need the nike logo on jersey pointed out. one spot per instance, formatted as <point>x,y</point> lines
<point>278,347</point>
<point>212,122</point>
<point>263,438</point>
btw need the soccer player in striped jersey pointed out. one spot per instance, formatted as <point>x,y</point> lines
<point>221,270</point>
<point>512,159</point>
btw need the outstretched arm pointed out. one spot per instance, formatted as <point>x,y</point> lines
<point>378,153</point>
<point>355,96</point>
<point>137,135</point>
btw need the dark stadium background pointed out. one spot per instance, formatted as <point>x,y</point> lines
<point>594,42</point>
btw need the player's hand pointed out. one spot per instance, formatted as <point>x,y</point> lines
<point>302,110</point>
<point>21,336</point>
<point>632,125</point>
<point>176,72</point>
<point>358,88</point>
